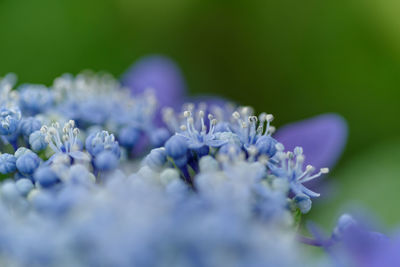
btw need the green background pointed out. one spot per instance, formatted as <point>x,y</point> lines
<point>291,58</point>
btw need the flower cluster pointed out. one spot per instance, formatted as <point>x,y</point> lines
<point>94,175</point>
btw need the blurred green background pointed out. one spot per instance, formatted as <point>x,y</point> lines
<point>291,58</point>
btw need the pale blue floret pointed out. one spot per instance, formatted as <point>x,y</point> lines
<point>34,99</point>
<point>9,192</point>
<point>156,159</point>
<point>106,161</point>
<point>8,97</point>
<point>303,202</point>
<point>252,129</point>
<point>28,163</point>
<point>177,148</point>
<point>80,175</point>
<point>24,186</point>
<point>128,136</point>
<point>7,163</point>
<point>159,136</point>
<point>290,167</point>
<point>102,141</point>
<point>37,141</point>
<point>46,176</point>
<point>202,137</point>
<point>66,143</point>
<point>28,125</point>
<point>22,151</point>
<point>9,120</point>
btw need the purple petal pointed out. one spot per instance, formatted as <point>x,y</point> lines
<point>160,74</point>
<point>210,100</point>
<point>322,137</point>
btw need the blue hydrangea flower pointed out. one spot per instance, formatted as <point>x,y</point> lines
<point>106,161</point>
<point>46,176</point>
<point>28,125</point>
<point>156,158</point>
<point>216,190</point>
<point>37,141</point>
<point>7,163</point>
<point>8,97</point>
<point>9,120</point>
<point>128,136</point>
<point>197,139</point>
<point>24,186</point>
<point>252,132</point>
<point>289,166</point>
<point>34,99</point>
<point>100,141</point>
<point>68,143</point>
<point>177,148</point>
<point>28,163</point>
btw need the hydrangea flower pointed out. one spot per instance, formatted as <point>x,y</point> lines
<point>9,119</point>
<point>216,188</point>
<point>35,99</point>
<point>65,143</point>
<point>7,163</point>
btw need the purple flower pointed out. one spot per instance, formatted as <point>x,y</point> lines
<point>160,74</point>
<point>352,243</point>
<point>322,138</point>
<point>165,78</point>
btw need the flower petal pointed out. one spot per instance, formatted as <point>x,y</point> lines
<point>160,74</point>
<point>322,137</point>
<point>79,156</point>
<point>210,100</point>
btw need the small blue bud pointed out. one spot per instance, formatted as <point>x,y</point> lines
<point>156,158</point>
<point>22,151</point>
<point>24,186</point>
<point>46,176</point>
<point>101,141</point>
<point>7,163</point>
<point>28,163</point>
<point>37,141</point>
<point>159,137</point>
<point>29,125</point>
<point>176,147</point>
<point>266,145</point>
<point>128,136</point>
<point>106,161</point>
<point>303,202</point>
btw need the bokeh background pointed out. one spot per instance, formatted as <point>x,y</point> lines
<point>294,59</point>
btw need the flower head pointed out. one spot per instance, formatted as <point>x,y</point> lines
<point>9,120</point>
<point>64,141</point>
